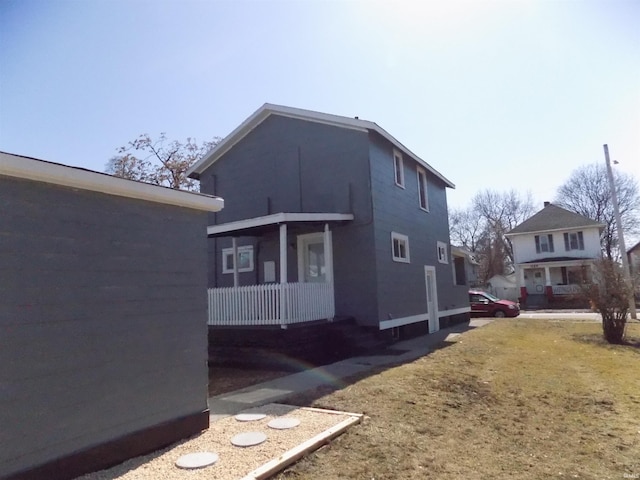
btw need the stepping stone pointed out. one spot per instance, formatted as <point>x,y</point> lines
<point>192,461</point>
<point>249,417</point>
<point>284,423</point>
<point>248,439</point>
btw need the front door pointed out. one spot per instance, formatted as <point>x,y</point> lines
<point>535,281</point>
<point>432,298</point>
<point>311,258</point>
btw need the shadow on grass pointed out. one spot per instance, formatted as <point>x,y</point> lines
<point>312,397</point>
<point>630,343</point>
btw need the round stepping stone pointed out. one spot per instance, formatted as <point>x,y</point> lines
<point>191,461</point>
<point>248,439</point>
<point>249,417</point>
<point>284,423</point>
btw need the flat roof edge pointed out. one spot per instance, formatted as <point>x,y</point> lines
<point>28,168</point>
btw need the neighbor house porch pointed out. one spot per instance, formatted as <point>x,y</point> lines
<point>278,295</point>
<point>553,277</point>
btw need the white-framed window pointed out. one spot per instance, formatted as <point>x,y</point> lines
<point>399,247</point>
<point>422,189</point>
<point>398,168</point>
<point>544,243</point>
<point>442,252</point>
<point>245,259</point>
<point>573,241</point>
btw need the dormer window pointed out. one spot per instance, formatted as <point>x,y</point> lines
<point>544,243</point>
<point>573,241</point>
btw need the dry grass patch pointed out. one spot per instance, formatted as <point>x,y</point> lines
<point>525,398</point>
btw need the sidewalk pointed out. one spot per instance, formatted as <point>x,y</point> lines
<point>334,374</point>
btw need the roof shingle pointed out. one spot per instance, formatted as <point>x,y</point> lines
<point>552,217</point>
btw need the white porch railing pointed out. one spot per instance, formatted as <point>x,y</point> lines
<point>271,304</point>
<point>565,289</point>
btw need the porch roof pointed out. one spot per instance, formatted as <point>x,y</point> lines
<point>557,262</point>
<point>256,224</point>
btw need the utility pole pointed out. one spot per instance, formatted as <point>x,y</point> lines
<point>621,245</point>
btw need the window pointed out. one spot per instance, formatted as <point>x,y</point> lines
<point>422,189</point>
<point>544,243</point>
<point>400,247</point>
<point>459,273</point>
<point>442,252</point>
<point>573,241</point>
<point>398,168</point>
<point>245,259</point>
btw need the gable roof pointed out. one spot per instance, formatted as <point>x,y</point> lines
<point>268,109</point>
<point>553,217</point>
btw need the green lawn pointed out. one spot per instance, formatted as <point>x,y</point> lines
<point>514,399</point>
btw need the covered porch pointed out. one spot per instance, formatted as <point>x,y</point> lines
<point>553,277</point>
<point>275,299</point>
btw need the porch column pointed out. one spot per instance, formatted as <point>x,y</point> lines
<point>547,282</point>
<point>234,245</point>
<point>523,285</point>
<point>283,253</point>
<point>328,254</point>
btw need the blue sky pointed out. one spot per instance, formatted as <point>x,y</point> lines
<point>500,94</point>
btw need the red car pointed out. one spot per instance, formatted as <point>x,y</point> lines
<point>484,304</point>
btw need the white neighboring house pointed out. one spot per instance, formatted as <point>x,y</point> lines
<point>553,249</point>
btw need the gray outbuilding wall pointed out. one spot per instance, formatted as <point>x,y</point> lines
<point>103,326</point>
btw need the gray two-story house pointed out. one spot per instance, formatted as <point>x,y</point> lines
<point>327,216</point>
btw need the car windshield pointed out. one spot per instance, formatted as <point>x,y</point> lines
<point>491,297</point>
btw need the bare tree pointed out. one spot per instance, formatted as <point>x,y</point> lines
<point>502,212</point>
<point>160,162</point>
<point>587,192</point>
<point>482,227</point>
<point>466,228</point>
<point>609,293</point>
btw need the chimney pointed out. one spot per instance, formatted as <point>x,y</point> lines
<point>546,204</point>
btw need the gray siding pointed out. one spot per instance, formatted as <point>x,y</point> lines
<point>401,286</point>
<point>103,319</point>
<point>288,165</point>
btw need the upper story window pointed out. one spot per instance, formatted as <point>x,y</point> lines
<point>422,189</point>
<point>399,247</point>
<point>573,241</point>
<point>442,252</point>
<point>398,168</point>
<point>245,259</point>
<point>544,243</point>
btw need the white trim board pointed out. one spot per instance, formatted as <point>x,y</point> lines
<point>277,218</point>
<point>268,109</point>
<point>423,317</point>
<point>42,171</point>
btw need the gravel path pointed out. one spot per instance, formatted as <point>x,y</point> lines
<point>234,462</point>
